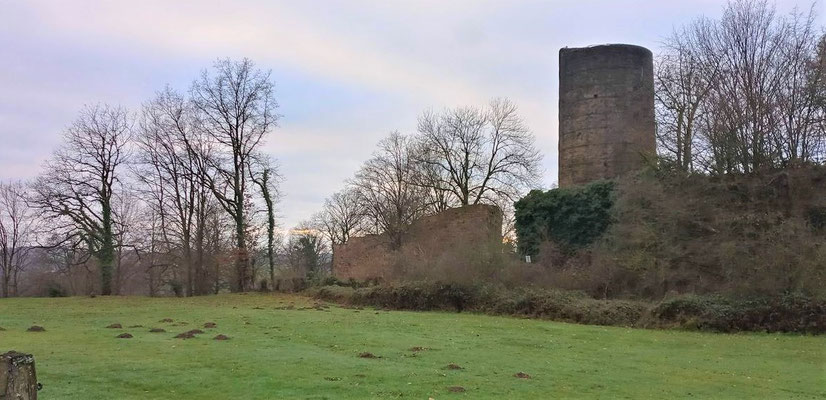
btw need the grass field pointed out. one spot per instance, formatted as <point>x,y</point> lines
<point>278,353</point>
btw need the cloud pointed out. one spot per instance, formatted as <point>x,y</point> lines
<point>347,72</point>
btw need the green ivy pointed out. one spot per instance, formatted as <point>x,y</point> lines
<point>572,217</point>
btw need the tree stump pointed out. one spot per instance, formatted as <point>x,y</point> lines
<point>18,380</point>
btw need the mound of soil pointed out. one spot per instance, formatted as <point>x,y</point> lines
<point>418,348</point>
<point>157,330</point>
<point>124,336</point>
<point>166,320</point>
<point>521,375</point>
<point>368,354</point>
<point>35,328</point>
<point>332,378</point>
<point>456,389</point>
<point>221,337</point>
<point>210,325</point>
<point>189,334</point>
<point>115,326</point>
<point>453,366</point>
<point>136,326</point>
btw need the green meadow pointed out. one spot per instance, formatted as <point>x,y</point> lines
<point>290,347</point>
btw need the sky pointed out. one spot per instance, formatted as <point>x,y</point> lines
<point>346,72</point>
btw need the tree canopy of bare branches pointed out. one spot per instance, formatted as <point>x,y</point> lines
<point>79,182</point>
<point>235,109</point>
<point>17,234</point>
<point>477,155</point>
<point>342,216</point>
<point>171,172</point>
<point>386,189</point>
<point>741,94</point>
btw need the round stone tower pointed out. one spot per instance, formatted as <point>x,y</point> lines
<point>606,111</point>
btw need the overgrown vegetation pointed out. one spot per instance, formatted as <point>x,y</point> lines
<point>671,233</point>
<point>791,312</point>
<point>573,217</point>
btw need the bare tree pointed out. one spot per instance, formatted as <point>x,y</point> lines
<point>684,75</point>
<point>478,155</point>
<point>342,217</point>
<point>798,99</point>
<point>172,173</point>
<point>129,228</point>
<point>81,178</point>
<point>264,173</point>
<point>819,88</point>
<point>740,94</point>
<point>385,187</point>
<point>236,109</point>
<point>17,235</point>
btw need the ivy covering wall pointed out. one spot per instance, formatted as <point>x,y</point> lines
<point>572,217</point>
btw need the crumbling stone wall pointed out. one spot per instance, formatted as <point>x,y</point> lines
<point>606,111</point>
<point>448,237</point>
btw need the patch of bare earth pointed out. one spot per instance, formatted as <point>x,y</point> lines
<point>368,354</point>
<point>221,337</point>
<point>210,325</point>
<point>456,389</point>
<point>115,326</point>
<point>521,375</point>
<point>157,330</point>
<point>166,320</point>
<point>36,328</point>
<point>453,366</point>
<point>188,334</point>
<point>124,336</point>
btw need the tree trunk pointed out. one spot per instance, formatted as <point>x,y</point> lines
<point>265,190</point>
<point>18,380</point>
<point>6,279</point>
<point>106,255</point>
<point>188,265</point>
<point>202,285</point>
<point>152,285</point>
<point>241,261</point>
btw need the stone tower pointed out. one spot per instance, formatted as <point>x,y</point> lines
<point>606,111</point>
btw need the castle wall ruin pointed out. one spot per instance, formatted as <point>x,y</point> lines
<point>606,111</point>
<point>469,234</point>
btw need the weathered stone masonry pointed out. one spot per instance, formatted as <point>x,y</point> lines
<point>606,111</point>
<point>452,235</point>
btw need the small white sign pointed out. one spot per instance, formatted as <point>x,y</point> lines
<point>528,259</point>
